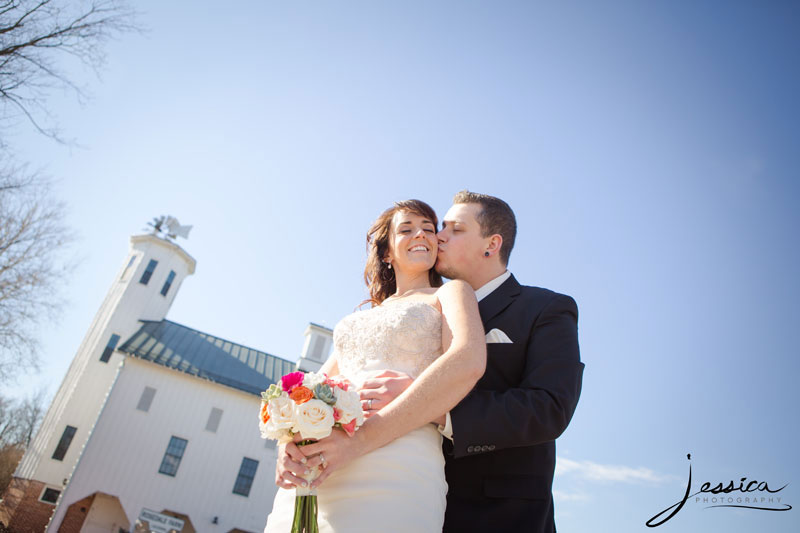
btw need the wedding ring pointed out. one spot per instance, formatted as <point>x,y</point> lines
<point>322,458</point>
<point>369,404</point>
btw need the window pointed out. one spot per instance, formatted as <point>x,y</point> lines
<point>49,495</point>
<point>148,272</point>
<point>168,283</point>
<point>213,420</point>
<point>127,268</point>
<point>315,352</point>
<point>247,472</point>
<point>63,444</point>
<point>146,399</point>
<point>173,456</point>
<point>109,349</point>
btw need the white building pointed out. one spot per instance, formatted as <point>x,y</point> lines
<point>153,415</point>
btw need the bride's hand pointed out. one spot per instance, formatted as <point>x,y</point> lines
<point>331,453</point>
<point>378,391</point>
<point>290,467</point>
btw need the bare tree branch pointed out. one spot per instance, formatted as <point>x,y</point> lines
<point>18,422</point>
<point>33,238</point>
<point>36,34</point>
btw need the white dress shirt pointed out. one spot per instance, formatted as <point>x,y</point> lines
<point>480,294</point>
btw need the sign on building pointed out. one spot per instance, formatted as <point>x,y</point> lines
<point>151,521</point>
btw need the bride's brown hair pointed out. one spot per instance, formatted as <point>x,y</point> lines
<point>379,278</point>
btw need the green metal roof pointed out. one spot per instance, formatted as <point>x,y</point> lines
<point>200,354</point>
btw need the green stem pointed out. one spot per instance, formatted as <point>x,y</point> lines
<point>308,515</point>
<point>305,508</point>
<point>297,521</point>
<point>314,521</point>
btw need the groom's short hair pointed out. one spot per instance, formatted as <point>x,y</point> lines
<point>495,217</point>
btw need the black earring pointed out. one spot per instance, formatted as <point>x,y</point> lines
<point>486,254</point>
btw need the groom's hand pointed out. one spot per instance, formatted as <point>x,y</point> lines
<point>378,391</point>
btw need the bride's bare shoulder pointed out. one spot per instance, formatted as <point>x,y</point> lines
<point>456,294</point>
<point>454,286</point>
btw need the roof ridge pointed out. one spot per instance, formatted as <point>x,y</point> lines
<point>217,337</point>
<point>195,352</point>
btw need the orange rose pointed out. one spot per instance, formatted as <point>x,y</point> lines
<point>301,394</point>
<point>264,413</point>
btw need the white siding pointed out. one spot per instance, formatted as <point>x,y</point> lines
<point>125,450</point>
<point>81,394</point>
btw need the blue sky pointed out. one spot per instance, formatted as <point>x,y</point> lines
<point>649,149</point>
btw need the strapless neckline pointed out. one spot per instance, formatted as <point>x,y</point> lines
<point>406,301</point>
<point>403,335</point>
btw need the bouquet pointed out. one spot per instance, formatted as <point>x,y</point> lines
<point>310,405</point>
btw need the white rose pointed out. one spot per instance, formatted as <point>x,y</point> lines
<point>349,405</point>
<point>313,419</point>
<point>281,418</point>
<point>311,380</point>
<point>271,431</point>
<point>281,411</point>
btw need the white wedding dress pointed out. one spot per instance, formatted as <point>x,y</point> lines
<point>399,487</point>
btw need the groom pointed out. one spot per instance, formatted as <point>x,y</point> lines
<point>500,439</point>
<point>500,455</point>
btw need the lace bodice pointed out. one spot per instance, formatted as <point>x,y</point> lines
<point>404,335</point>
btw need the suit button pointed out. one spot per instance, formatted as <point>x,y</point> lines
<point>484,448</point>
<point>491,447</point>
<point>470,449</point>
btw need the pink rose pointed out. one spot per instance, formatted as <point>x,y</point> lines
<point>337,382</point>
<point>290,381</point>
<point>350,428</point>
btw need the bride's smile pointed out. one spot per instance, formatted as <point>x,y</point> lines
<point>415,237</point>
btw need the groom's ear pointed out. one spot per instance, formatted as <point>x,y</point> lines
<point>495,243</point>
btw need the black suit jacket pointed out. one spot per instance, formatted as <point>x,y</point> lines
<point>500,464</point>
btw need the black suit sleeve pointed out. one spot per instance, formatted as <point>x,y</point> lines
<point>540,408</point>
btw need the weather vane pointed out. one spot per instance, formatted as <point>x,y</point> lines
<point>168,228</point>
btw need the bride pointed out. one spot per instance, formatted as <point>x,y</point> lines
<point>391,471</point>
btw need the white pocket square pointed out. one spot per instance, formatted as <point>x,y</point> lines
<point>497,336</point>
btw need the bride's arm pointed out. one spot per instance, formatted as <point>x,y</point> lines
<point>379,391</point>
<point>331,366</point>
<point>436,391</point>
<point>447,380</point>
